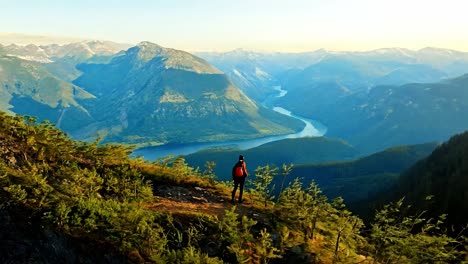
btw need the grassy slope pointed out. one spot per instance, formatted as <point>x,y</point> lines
<point>149,212</point>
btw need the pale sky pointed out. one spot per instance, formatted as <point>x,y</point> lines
<point>267,25</point>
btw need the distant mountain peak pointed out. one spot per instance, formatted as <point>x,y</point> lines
<point>148,44</point>
<point>438,50</point>
<point>146,51</point>
<point>392,51</point>
<point>431,49</point>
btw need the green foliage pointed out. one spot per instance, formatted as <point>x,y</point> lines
<point>302,207</point>
<point>285,171</point>
<point>81,188</point>
<point>262,182</point>
<point>208,173</point>
<point>397,236</point>
<point>191,255</point>
<point>17,194</point>
<point>308,211</point>
<point>347,228</point>
<point>97,193</point>
<point>60,214</point>
<point>242,242</point>
<point>229,226</point>
<point>265,249</point>
<point>442,174</point>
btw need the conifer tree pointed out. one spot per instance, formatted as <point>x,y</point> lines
<point>262,183</point>
<point>285,171</point>
<point>399,237</point>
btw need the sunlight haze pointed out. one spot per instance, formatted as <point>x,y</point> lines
<point>210,25</point>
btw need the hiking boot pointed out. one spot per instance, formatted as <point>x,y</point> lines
<point>241,200</point>
<point>233,201</point>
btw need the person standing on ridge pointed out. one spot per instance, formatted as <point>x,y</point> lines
<point>239,173</point>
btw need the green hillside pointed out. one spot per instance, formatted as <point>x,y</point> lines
<point>26,78</point>
<point>74,202</point>
<point>163,95</point>
<point>66,67</point>
<point>60,60</point>
<point>27,87</point>
<point>442,175</point>
<point>365,177</point>
<point>436,184</point>
<point>388,116</point>
<point>296,151</point>
<point>147,95</point>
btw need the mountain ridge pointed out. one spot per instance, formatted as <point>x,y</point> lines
<point>150,95</point>
<point>363,178</point>
<point>388,115</point>
<point>366,68</point>
<point>436,184</point>
<point>157,89</point>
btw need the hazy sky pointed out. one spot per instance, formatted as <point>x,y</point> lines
<point>218,25</point>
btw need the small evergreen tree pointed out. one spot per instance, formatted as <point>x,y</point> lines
<point>398,237</point>
<point>285,171</point>
<point>262,183</point>
<point>209,171</point>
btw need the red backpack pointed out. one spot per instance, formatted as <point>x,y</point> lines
<point>238,170</point>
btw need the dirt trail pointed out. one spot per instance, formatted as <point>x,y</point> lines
<point>170,206</point>
<point>171,199</point>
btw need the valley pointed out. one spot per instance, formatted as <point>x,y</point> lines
<point>311,129</point>
<point>237,132</point>
<point>151,95</point>
<point>124,146</point>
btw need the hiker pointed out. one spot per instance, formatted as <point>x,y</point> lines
<point>239,173</point>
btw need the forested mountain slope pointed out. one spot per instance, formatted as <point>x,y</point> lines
<point>387,116</point>
<point>296,151</point>
<point>443,175</point>
<point>365,177</point>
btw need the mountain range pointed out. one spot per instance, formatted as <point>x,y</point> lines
<point>254,72</point>
<point>374,99</point>
<point>389,115</point>
<point>167,95</point>
<point>152,95</point>
<point>380,108</point>
<point>35,80</point>
<point>144,95</point>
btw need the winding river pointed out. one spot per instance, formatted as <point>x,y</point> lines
<point>312,129</point>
